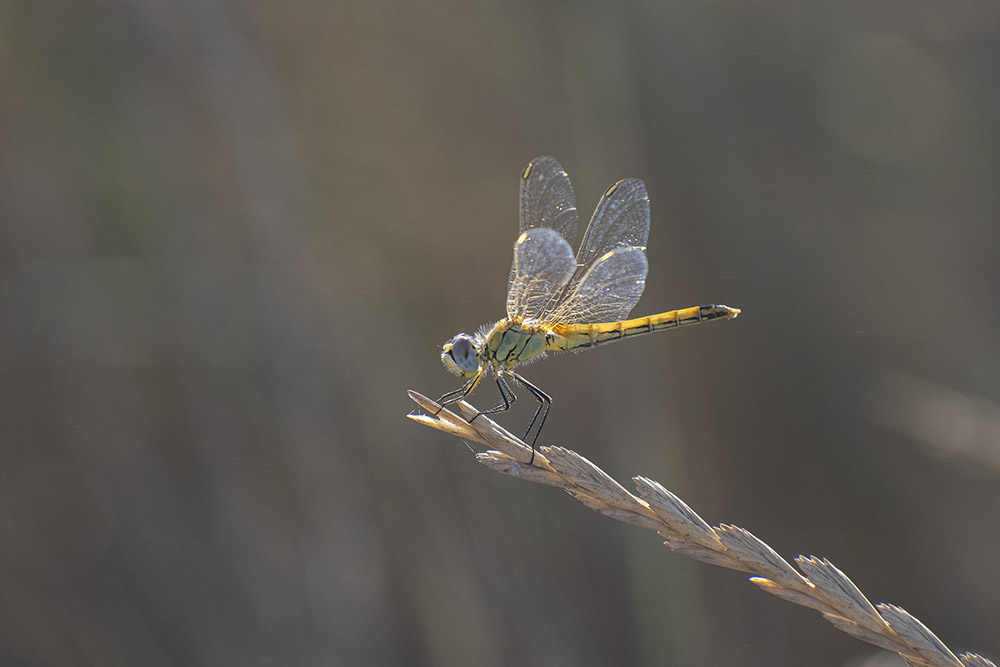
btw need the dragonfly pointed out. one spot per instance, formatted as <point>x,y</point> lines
<point>558,300</point>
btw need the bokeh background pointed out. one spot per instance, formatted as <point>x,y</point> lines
<point>233,234</point>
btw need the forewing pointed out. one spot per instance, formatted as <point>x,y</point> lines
<point>607,291</point>
<point>547,198</point>
<point>543,264</point>
<point>620,220</point>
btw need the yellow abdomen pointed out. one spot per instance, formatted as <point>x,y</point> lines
<point>573,336</point>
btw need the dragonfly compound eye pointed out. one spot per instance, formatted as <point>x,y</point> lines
<point>460,356</point>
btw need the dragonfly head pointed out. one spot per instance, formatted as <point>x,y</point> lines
<point>461,356</point>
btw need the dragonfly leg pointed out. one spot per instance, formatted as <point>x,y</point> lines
<point>507,396</point>
<point>544,401</point>
<point>459,393</point>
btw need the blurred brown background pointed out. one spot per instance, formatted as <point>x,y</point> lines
<point>233,234</point>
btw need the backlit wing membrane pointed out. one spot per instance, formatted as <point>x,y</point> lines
<point>543,264</point>
<point>606,292</point>
<point>620,219</point>
<point>605,279</point>
<point>547,198</point>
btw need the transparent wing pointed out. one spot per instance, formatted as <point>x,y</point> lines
<point>543,265</point>
<point>607,291</point>
<point>620,219</point>
<point>536,275</point>
<point>547,198</point>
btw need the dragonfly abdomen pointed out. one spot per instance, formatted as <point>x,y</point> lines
<point>574,336</point>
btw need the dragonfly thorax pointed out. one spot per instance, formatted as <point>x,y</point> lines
<point>510,343</point>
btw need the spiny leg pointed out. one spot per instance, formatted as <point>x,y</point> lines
<point>459,394</point>
<point>544,401</point>
<point>506,394</point>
